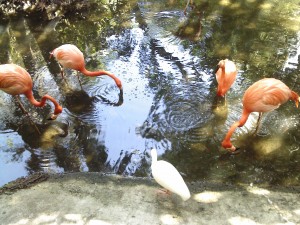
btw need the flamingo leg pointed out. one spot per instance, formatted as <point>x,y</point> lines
<point>79,80</point>
<point>25,111</point>
<point>62,73</point>
<point>258,123</point>
<point>163,192</point>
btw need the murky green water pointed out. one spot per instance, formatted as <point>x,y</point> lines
<point>165,60</point>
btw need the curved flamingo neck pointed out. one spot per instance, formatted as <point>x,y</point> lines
<point>100,73</point>
<point>95,73</point>
<point>221,84</point>
<point>222,71</point>
<point>226,143</point>
<point>33,101</point>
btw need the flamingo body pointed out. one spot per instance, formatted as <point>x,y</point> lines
<point>15,80</point>
<point>266,95</point>
<point>168,177</point>
<point>225,75</point>
<point>69,56</point>
<point>263,96</point>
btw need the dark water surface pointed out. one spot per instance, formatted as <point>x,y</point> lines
<point>166,61</point>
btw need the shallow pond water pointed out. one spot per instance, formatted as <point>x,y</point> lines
<point>166,61</point>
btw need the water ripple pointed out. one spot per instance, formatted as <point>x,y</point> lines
<point>107,94</point>
<point>183,115</point>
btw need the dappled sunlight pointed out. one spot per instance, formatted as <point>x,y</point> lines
<point>56,218</point>
<point>207,197</point>
<point>258,191</point>
<point>267,146</point>
<point>72,218</point>
<point>44,219</point>
<point>92,166</point>
<point>238,220</point>
<point>169,219</point>
<point>225,2</point>
<point>221,110</point>
<point>297,211</point>
<point>97,222</point>
<point>266,6</point>
<point>21,222</point>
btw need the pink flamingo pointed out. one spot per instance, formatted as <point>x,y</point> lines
<point>263,96</point>
<point>226,75</point>
<point>15,80</point>
<point>69,56</point>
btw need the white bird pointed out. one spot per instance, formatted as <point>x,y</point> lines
<point>167,176</point>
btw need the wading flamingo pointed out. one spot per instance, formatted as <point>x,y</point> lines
<point>165,174</point>
<point>15,80</point>
<point>225,74</point>
<point>69,56</point>
<point>263,96</point>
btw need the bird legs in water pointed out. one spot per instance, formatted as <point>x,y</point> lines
<point>62,71</point>
<point>258,123</point>
<point>27,114</point>
<point>77,73</point>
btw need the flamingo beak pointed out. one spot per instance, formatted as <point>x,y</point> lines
<point>52,117</point>
<point>235,152</point>
<point>51,54</point>
<point>232,149</point>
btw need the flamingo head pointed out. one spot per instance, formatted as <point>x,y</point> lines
<point>57,111</point>
<point>228,146</point>
<point>295,97</point>
<point>51,54</point>
<point>221,64</point>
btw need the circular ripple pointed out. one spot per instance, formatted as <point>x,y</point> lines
<point>183,116</point>
<point>107,94</point>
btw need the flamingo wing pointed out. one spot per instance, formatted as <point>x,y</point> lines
<point>14,80</point>
<point>69,56</point>
<point>276,94</point>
